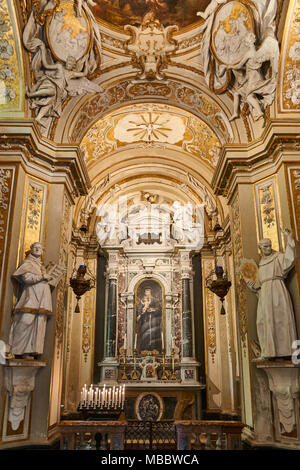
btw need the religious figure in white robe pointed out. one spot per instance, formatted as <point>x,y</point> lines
<point>33,306</point>
<point>275,322</point>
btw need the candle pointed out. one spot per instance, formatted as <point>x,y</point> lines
<point>172,342</point>
<point>109,397</point>
<point>162,340</point>
<point>123,396</point>
<point>135,341</point>
<point>113,395</point>
<point>120,395</point>
<point>125,340</point>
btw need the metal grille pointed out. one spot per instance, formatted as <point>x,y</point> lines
<point>151,435</point>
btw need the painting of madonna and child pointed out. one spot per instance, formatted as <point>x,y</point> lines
<point>136,12</point>
<point>148,314</point>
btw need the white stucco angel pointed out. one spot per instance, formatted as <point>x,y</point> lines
<point>250,82</point>
<point>55,84</point>
<point>238,57</point>
<point>33,306</point>
<point>275,322</point>
<point>85,5</point>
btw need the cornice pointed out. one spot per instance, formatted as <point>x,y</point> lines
<point>280,141</point>
<point>21,141</point>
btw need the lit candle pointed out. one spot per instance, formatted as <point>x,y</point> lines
<point>113,395</point>
<point>116,397</point>
<point>135,341</point>
<point>120,396</point>
<point>104,395</point>
<point>123,396</point>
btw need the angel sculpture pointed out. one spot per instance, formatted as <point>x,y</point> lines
<point>56,83</point>
<point>249,78</point>
<point>236,59</point>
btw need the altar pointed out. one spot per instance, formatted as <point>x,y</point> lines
<point>148,311</point>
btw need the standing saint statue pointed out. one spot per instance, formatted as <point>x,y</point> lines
<point>275,322</point>
<point>33,306</point>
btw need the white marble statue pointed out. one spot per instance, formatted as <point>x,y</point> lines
<point>33,306</point>
<point>240,52</point>
<point>275,322</point>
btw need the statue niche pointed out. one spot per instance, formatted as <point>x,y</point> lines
<point>148,315</point>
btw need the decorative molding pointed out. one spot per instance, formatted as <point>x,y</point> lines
<point>240,287</point>
<point>293,174</point>
<point>177,94</point>
<point>210,317</point>
<point>289,89</point>
<point>11,64</point>
<point>268,211</point>
<point>35,214</point>
<point>89,307</point>
<point>7,177</point>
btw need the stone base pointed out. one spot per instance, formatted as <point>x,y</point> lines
<point>19,380</point>
<point>109,371</point>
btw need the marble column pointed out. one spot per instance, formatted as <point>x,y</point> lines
<point>111,325</point>
<point>187,332</point>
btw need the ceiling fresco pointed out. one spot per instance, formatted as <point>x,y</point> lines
<point>136,12</point>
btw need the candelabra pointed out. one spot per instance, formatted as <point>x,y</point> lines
<point>164,375</point>
<point>173,375</point>
<point>124,376</point>
<point>102,403</point>
<point>134,374</point>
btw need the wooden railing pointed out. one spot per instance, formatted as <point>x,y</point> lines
<point>209,435</point>
<point>92,435</point>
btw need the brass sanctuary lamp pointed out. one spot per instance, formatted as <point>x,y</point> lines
<point>219,286</point>
<point>217,280</point>
<point>80,284</point>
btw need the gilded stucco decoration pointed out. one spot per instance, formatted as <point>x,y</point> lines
<point>11,75</point>
<point>151,45</point>
<point>240,286</point>
<point>88,314</point>
<point>33,230</point>
<point>6,191</point>
<point>65,234</point>
<point>210,313</point>
<point>294,187</point>
<point>289,95</point>
<point>151,124</point>
<point>176,94</point>
<point>267,210</point>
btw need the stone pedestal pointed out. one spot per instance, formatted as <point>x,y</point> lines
<point>19,379</point>
<point>282,406</point>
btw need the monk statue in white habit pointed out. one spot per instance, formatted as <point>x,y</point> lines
<point>33,306</point>
<point>275,322</point>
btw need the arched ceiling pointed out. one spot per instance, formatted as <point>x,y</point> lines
<point>151,126</point>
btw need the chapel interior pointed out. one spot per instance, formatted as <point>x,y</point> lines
<point>149,224</point>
